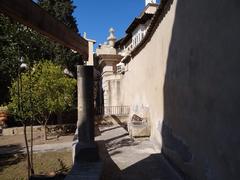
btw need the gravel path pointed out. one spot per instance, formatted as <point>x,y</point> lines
<point>36,148</point>
<point>15,144</point>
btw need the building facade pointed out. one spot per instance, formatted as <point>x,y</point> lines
<point>123,80</point>
<point>180,64</point>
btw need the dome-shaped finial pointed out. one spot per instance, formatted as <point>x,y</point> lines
<point>111,38</point>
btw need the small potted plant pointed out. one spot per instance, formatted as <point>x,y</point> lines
<point>3,115</point>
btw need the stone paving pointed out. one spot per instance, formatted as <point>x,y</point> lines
<point>16,144</point>
<point>128,159</point>
<point>14,149</point>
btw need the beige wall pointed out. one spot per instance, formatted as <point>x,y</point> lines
<point>202,90</point>
<point>188,77</point>
<point>142,84</point>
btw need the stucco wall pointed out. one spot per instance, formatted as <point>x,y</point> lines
<point>142,84</point>
<point>188,75</point>
<point>202,90</point>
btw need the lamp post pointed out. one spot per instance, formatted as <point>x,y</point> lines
<point>23,67</point>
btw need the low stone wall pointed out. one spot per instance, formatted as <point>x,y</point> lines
<point>19,130</point>
<point>52,129</point>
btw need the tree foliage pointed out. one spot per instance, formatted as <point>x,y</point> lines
<point>62,10</point>
<point>45,90</point>
<point>16,40</point>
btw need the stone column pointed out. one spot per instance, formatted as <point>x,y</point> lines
<point>85,149</point>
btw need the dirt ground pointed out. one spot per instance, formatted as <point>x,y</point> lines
<point>37,139</point>
<point>48,164</point>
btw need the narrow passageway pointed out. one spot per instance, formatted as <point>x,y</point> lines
<point>130,159</point>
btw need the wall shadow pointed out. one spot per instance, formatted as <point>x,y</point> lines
<point>114,143</point>
<point>153,167</point>
<point>44,177</point>
<point>110,170</point>
<point>200,131</point>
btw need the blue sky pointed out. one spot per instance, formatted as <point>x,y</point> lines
<point>95,17</point>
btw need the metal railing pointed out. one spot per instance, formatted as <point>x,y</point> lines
<point>113,110</point>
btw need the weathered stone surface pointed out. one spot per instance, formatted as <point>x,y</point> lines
<point>142,130</point>
<point>86,171</point>
<point>86,153</point>
<point>85,123</point>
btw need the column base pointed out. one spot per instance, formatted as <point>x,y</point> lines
<point>85,152</point>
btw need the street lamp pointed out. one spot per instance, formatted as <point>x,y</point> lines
<point>22,68</point>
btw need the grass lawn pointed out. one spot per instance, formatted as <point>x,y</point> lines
<point>14,167</point>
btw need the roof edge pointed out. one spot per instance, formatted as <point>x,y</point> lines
<point>162,10</point>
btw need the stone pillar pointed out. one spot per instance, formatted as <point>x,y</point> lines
<point>85,149</point>
<point>90,61</point>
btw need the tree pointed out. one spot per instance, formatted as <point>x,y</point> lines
<point>8,56</point>
<point>63,11</point>
<point>17,40</point>
<point>45,91</point>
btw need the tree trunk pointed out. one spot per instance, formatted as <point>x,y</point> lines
<point>45,126</point>
<point>44,132</point>
<point>31,149</point>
